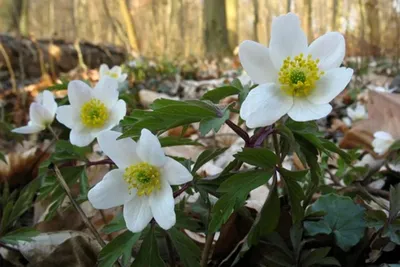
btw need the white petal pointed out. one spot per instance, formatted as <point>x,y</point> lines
<point>175,173</point>
<point>79,93</point>
<point>81,138</point>
<point>330,85</point>
<point>49,103</point>
<point>29,129</point>
<point>149,149</point>
<point>122,77</point>
<point>122,152</point>
<point>304,110</point>
<point>110,192</point>
<point>106,90</point>
<point>256,61</point>
<point>117,113</point>
<point>383,135</point>
<point>103,70</point>
<point>117,70</point>
<point>330,49</point>
<point>287,39</point>
<point>137,214</point>
<point>264,105</point>
<point>39,114</point>
<point>162,206</point>
<point>67,116</point>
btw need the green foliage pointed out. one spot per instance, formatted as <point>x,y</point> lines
<point>206,156</point>
<point>188,251</point>
<point>206,125</point>
<point>117,224</point>
<point>21,234</point>
<point>344,219</point>
<point>220,93</point>
<point>3,158</point>
<point>177,141</point>
<point>260,157</point>
<point>149,254</point>
<point>120,245</point>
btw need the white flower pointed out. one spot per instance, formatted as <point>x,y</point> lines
<point>141,182</point>
<point>41,114</point>
<point>293,78</point>
<point>92,110</point>
<point>382,141</point>
<point>115,73</point>
<point>358,113</point>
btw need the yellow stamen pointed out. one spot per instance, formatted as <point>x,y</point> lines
<point>94,114</point>
<point>144,177</point>
<point>112,74</point>
<point>297,76</point>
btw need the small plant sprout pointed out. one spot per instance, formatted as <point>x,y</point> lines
<point>115,73</point>
<point>294,78</point>
<point>142,182</point>
<point>41,114</point>
<point>382,142</point>
<point>91,111</point>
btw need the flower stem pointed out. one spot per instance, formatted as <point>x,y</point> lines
<point>182,189</point>
<point>277,148</point>
<point>207,248</point>
<point>85,219</point>
<point>242,133</point>
<point>100,162</point>
<point>53,132</point>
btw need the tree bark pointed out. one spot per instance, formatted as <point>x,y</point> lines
<point>374,26</point>
<point>129,25</point>
<point>308,12</point>
<point>288,6</point>
<point>232,21</point>
<point>216,32</point>
<point>335,8</point>
<point>256,20</point>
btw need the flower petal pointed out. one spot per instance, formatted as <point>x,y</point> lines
<point>117,70</point>
<point>137,213</point>
<point>111,191</point>
<point>81,137</point>
<point>79,93</point>
<point>330,49</point>
<point>304,110</point>
<point>256,61</point>
<point>106,90</point>
<point>264,105</point>
<point>162,206</point>
<point>149,149</point>
<point>39,114</point>
<point>122,77</point>
<point>383,135</point>
<point>29,129</point>
<point>330,85</point>
<point>67,116</point>
<point>103,70</point>
<point>49,103</point>
<point>287,39</point>
<point>175,173</point>
<point>122,152</point>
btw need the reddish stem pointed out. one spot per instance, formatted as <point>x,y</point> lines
<point>182,189</point>
<point>100,162</point>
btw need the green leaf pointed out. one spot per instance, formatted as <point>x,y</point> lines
<point>215,124</point>
<point>24,201</point>
<point>335,149</point>
<point>21,234</point>
<point>183,221</point>
<point>3,158</point>
<point>395,146</point>
<point>177,141</point>
<point>62,86</point>
<point>215,95</point>
<point>188,251</point>
<point>394,202</point>
<point>237,188</point>
<point>117,224</point>
<point>83,185</point>
<point>66,151</point>
<point>206,156</point>
<point>318,257</point>
<point>393,232</point>
<point>343,217</point>
<point>117,247</point>
<point>295,192</point>
<point>260,157</point>
<point>148,254</point>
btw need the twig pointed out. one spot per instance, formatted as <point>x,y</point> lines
<point>182,189</point>
<point>207,248</point>
<point>9,67</point>
<point>4,245</point>
<point>85,219</point>
<point>242,133</point>
<point>100,162</point>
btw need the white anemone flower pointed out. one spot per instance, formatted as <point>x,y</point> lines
<point>294,78</point>
<point>142,182</point>
<point>358,113</point>
<point>382,142</point>
<point>92,111</point>
<point>115,73</point>
<point>41,114</point>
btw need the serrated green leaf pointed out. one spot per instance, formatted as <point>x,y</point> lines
<point>344,218</point>
<point>315,257</point>
<point>117,224</point>
<point>21,234</point>
<point>206,156</point>
<point>177,141</point>
<point>117,247</point>
<point>183,221</point>
<point>83,185</point>
<point>260,157</point>
<point>188,251</point>
<point>215,95</point>
<point>394,202</point>
<point>149,254</point>
<point>213,123</point>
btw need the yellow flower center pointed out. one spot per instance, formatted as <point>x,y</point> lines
<point>298,75</point>
<point>94,114</point>
<point>112,74</point>
<point>144,177</point>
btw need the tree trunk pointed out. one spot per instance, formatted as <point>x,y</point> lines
<point>216,32</point>
<point>129,25</point>
<point>288,6</point>
<point>372,11</point>
<point>308,12</point>
<point>232,21</point>
<point>256,20</point>
<point>335,8</point>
